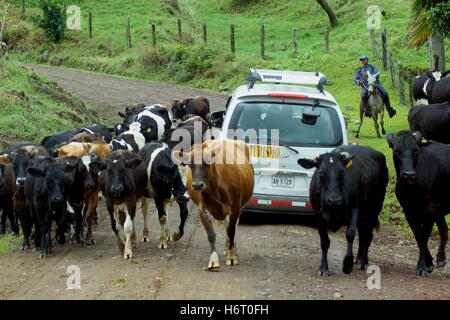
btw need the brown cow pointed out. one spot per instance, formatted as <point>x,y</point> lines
<point>220,183</point>
<point>79,149</point>
<point>196,106</point>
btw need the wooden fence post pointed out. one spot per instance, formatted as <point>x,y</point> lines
<point>374,44</point>
<point>23,6</point>
<point>179,29</point>
<point>205,35</point>
<point>401,84</point>
<point>392,69</point>
<point>128,33</point>
<point>294,40</point>
<point>90,25</point>
<point>154,35</point>
<point>327,40</point>
<point>384,49</point>
<point>232,43</point>
<point>410,87</point>
<point>262,42</point>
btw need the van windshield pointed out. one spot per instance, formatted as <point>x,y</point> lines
<point>287,118</point>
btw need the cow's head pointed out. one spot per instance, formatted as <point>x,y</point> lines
<point>81,166</point>
<point>116,172</point>
<point>178,110</point>
<point>53,175</point>
<point>331,169</point>
<point>131,113</point>
<point>149,128</point>
<point>19,159</point>
<point>406,147</point>
<point>199,159</point>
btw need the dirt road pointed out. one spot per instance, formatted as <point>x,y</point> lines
<point>278,255</point>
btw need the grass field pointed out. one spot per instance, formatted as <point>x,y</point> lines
<point>189,62</point>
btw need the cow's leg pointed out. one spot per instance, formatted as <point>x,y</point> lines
<point>161,204</point>
<point>382,121</point>
<point>91,205</point>
<point>3,222</point>
<point>227,238</point>
<point>128,228</point>
<point>207,224</point>
<point>347,265</point>
<point>417,226</point>
<point>145,210</point>
<point>8,212</point>
<point>365,234</point>
<point>375,124</point>
<point>61,223</point>
<point>361,119</point>
<point>183,217</point>
<point>112,216</point>
<point>26,223</point>
<point>424,266</point>
<point>44,228</point>
<point>325,245</point>
<point>443,232</point>
<point>231,232</point>
<point>78,214</point>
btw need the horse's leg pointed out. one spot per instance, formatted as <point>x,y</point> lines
<point>382,121</point>
<point>361,118</point>
<point>375,123</point>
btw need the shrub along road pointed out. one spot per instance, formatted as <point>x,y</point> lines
<point>278,255</point>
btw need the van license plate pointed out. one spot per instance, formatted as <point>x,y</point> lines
<point>283,181</point>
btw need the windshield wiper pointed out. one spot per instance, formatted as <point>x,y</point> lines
<point>288,147</point>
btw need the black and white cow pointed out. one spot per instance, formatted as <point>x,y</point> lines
<point>432,86</point>
<point>129,116</point>
<point>123,183</point>
<point>44,194</point>
<point>131,140</point>
<point>99,130</point>
<point>155,120</point>
<point>347,189</point>
<point>423,181</point>
<point>164,183</point>
<point>432,120</point>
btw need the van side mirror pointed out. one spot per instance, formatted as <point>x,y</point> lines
<point>216,118</point>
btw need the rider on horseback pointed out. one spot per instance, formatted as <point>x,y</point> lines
<point>361,80</point>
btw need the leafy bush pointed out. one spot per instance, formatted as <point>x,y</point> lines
<point>53,21</point>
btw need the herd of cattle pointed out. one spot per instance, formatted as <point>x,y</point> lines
<point>61,179</point>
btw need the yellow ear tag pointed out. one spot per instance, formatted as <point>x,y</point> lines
<point>349,164</point>
<point>149,130</point>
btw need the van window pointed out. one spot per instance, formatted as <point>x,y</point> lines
<point>287,118</point>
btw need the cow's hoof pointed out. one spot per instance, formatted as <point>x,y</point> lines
<point>361,265</point>
<point>347,266</point>
<point>213,261</point>
<point>128,254</point>
<point>323,273</point>
<point>440,263</point>
<point>145,238</point>
<point>163,244</point>
<point>430,268</point>
<point>232,261</point>
<point>177,236</point>
<point>25,247</point>
<point>43,255</point>
<point>91,242</point>
<point>421,272</point>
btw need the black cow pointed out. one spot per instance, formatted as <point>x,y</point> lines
<point>44,194</point>
<point>348,189</point>
<point>131,112</point>
<point>155,120</point>
<point>432,120</point>
<point>423,181</point>
<point>76,184</point>
<point>187,133</point>
<point>426,87</point>
<point>52,142</point>
<point>14,174</point>
<point>164,180</point>
<point>123,182</point>
<point>197,106</point>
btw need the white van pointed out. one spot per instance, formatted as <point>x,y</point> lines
<point>292,121</point>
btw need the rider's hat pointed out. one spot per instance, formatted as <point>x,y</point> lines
<point>363,58</point>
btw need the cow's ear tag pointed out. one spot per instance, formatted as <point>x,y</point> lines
<point>349,164</point>
<point>149,130</point>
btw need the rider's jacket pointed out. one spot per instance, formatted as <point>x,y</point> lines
<point>360,74</point>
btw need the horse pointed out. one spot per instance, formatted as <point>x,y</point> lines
<point>375,105</point>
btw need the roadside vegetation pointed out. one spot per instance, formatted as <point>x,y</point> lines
<point>186,60</point>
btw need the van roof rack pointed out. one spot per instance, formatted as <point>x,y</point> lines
<point>292,77</point>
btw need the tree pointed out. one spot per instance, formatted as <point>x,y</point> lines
<point>429,23</point>
<point>329,11</point>
<point>53,21</point>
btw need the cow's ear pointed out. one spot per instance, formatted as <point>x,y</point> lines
<point>390,140</point>
<point>133,164</point>
<point>87,139</point>
<point>35,172</point>
<point>87,147</point>
<point>121,114</point>
<point>308,163</point>
<point>4,159</point>
<point>97,166</point>
<point>347,158</point>
<point>180,157</point>
<point>418,136</point>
